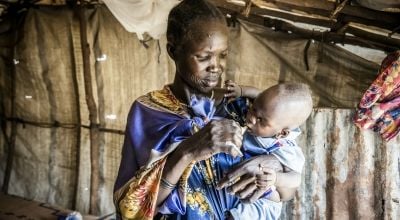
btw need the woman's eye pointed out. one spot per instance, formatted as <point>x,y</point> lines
<point>202,58</point>
<point>223,55</point>
<point>259,119</point>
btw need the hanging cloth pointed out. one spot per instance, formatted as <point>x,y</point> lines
<point>379,108</point>
<point>142,16</point>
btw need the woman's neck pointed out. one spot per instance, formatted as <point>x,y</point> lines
<point>183,91</point>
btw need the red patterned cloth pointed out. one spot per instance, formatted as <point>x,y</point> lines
<point>379,108</point>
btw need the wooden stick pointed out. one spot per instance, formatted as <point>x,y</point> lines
<point>358,11</point>
<point>78,129</point>
<point>373,37</point>
<point>342,29</point>
<point>338,9</point>
<point>247,8</point>
<point>383,43</point>
<point>316,35</point>
<point>13,135</point>
<point>314,14</point>
<point>94,128</point>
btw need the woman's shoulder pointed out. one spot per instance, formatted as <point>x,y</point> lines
<point>162,100</point>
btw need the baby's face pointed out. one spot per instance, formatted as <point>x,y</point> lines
<point>262,119</point>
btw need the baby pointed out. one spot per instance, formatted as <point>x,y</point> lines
<point>272,124</point>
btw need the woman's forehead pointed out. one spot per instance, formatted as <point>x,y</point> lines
<point>207,38</point>
<point>202,29</point>
<point>208,25</point>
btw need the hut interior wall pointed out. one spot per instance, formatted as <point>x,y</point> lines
<point>345,167</point>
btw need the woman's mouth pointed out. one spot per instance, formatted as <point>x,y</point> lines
<point>210,82</point>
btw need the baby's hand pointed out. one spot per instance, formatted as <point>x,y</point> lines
<point>234,90</point>
<point>266,179</point>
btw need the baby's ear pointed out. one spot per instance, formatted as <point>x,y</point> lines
<point>284,133</point>
<point>171,50</point>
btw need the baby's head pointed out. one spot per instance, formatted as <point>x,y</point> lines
<point>279,109</point>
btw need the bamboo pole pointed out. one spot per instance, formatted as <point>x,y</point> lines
<point>283,26</point>
<point>338,9</point>
<point>13,135</point>
<point>364,39</point>
<point>78,134</point>
<point>312,11</point>
<point>329,6</point>
<point>94,127</point>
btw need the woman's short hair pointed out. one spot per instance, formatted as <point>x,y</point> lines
<point>185,14</point>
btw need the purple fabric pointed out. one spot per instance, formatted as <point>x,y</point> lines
<point>142,135</point>
<point>172,204</point>
<point>203,108</point>
<point>149,129</point>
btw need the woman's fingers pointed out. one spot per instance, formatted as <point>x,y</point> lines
<point>231,177</point>
<point>264,183</point>
<point>227,137</point>
<point>250,167</point>
<point>232,149</point>
<point>217,136</point>
<point>265,178</point>
<point>241,184</point>
<point>257,193</point>
<point>247,191</point>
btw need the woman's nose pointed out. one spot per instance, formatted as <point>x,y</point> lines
<point>215,65</point>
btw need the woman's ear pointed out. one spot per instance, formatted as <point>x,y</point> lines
<point>171,50</point>
<point>284,133</point>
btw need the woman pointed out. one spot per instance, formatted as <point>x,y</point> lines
<point>172,143</point>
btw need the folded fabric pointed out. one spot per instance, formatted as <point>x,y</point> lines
<point>379,108</point>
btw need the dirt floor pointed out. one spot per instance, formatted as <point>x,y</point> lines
<point>13,207</point>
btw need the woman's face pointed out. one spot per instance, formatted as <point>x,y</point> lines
<point>201,60</point>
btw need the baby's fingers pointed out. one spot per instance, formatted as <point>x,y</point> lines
<point>230,83</point>
<point>230,94</point>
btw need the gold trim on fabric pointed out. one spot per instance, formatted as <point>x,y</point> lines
<point>165,101</point>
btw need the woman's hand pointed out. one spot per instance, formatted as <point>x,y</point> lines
<point>217,136</point>
<point>243,180</point>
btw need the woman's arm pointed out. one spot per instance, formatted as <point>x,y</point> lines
<point>212,139</point>
<point>174,167</point>
<point>246,172</point>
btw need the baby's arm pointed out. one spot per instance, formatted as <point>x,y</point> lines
<point>235,90</point>
<point>287,183</point>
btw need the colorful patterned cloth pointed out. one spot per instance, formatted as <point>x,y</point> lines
<point>379,108</point>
